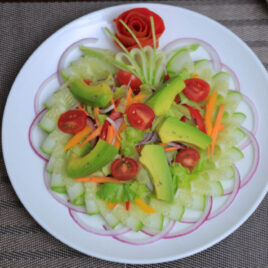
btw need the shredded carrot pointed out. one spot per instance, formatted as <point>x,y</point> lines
<point>129,98</point>
<point>163,144</point>
<point>83,110</point>
<point>139,148</point>
<point>210,107</point>
<point>110,134</point>
<point>99,180</point>
<point>111,205</point>
<point>92,136</point>
<point>96,113</point>
<point>170,149</point>
<point>143,206</point>
<point>195,75</point>
<point>117,144</point>
<point>138,98</point>
<point>113,103</point>
<point>221,127</point>
<point>78,137</point>
<point>122,127</point>
<point>216,127</point>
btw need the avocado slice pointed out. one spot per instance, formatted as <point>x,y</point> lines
<point>162,100</point>
<point>155,161</point>
<point>97,94</point>
<point>173,129</point>
<point>97,158</point>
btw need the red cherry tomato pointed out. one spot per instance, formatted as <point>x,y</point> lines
<point>188,158</point>
<point>197,117</point>
<point>114,116</point>
<point>124,168</point>
<point>166,77</point>
<point>140,116</point>
<point>196,89</point>
<point>177,99</point>
<point>125,77</point>
<point>72,121</point>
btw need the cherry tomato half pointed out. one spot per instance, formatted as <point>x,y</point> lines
<point>197,117</point>
<point>188,158</point>
<point>140,116</point>
<point>124,168</point>
<point>125,77</point>
<point>196,89</point>
<point>72,121</point>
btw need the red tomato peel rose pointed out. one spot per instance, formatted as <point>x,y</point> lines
<point>138,20</point>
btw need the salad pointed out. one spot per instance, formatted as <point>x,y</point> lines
<point>143,137</point>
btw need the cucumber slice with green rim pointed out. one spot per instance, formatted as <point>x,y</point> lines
<point>107,214</point>
<point>204,69</point>
<point>179,61</point>
<point>50,118</point>
<point>220,83</point>
<point>58,153</point>
<point>52,139</point>
<point>190,200</point>
<point>62,97</point>
<point>75,191</point>
<point>90,198</point>
<point>127,218</point>
<point>172,211</point>
<point>232,101</point>
<point>207,187</point>
<point>235,119</point>
<point>57,182</point>
<point>225,173</point>
<point>227,158</point>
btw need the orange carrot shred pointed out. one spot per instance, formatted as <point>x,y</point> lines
<point>170,149</point>
<point>92,136</point>
<point>113,103</point>
<point>99,180</point>
<point>143,206</point>
<point>83,110</point>
<point>111,205</point>
<point>195,75</point>
<point>163,144</point>
<point>110,135</point>
<point>210,107</point>
<point>221,127</point>
<point>96,113</point>
<point>129,98</point>
<point>138,98</point>
<point>78,137</point>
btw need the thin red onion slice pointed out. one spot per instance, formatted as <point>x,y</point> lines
<point>67,51</point>
<point>62,201</point>
<point>233,75</point>
<point>148,241</point>
<point>231,197</point>
<point>256,158</point>
<point>107,109</point>
<point>174,144</point>
<point>112,122</point>
<point>102,232</point>
<point>40,89</point>
<point>34,123</point>
<point>197,224</point>
<point>209,48</point>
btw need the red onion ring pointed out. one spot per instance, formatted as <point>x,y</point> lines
<point>256,158</point>
<point>233,75</point>
<point>113,123</point>
<point>174,144</point>
<point>67,51</point>
<point>231,197</point>
<point>40,89</point>
<point>209,48</point>
<point>107,110</point>
<point>60,200</point>
<point>34,124</point>
<point>197,224</point>
<point>150,240</point>
<point>92,230</point>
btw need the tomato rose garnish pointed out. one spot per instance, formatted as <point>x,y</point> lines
<point>138,20</point>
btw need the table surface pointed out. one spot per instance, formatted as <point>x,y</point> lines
<point>23,26</point>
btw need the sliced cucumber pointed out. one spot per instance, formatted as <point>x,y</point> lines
<point>190,200</point>
<point>62,97</point>
<point>220,83</point>
<point>173,211</point>
<point>75,191</point>
<point>107,214</point>
<point>233,120</point>
<point>58,153</point>
<point>204,69</point>
<point>90,198</point>
<point>50,118</point>
<point>57,182</point>
<point>217,174</point>
<point>207,187</point>
<point>52,139</point>
<point>127,218</point>
<point>179,61</point>
<point>232,101</point>
<point>228,157</point>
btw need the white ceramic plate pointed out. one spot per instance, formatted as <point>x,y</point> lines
<point>25,169</point>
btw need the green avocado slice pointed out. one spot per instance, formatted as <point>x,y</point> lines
<point>173,129</point>
<point>97,158</point>
<point>97,94</point>
<point>162,100</point>
<point>155,161</point>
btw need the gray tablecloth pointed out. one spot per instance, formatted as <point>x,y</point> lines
<point>23,243</point>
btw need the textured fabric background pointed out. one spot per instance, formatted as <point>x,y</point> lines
<point>23,243</point>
